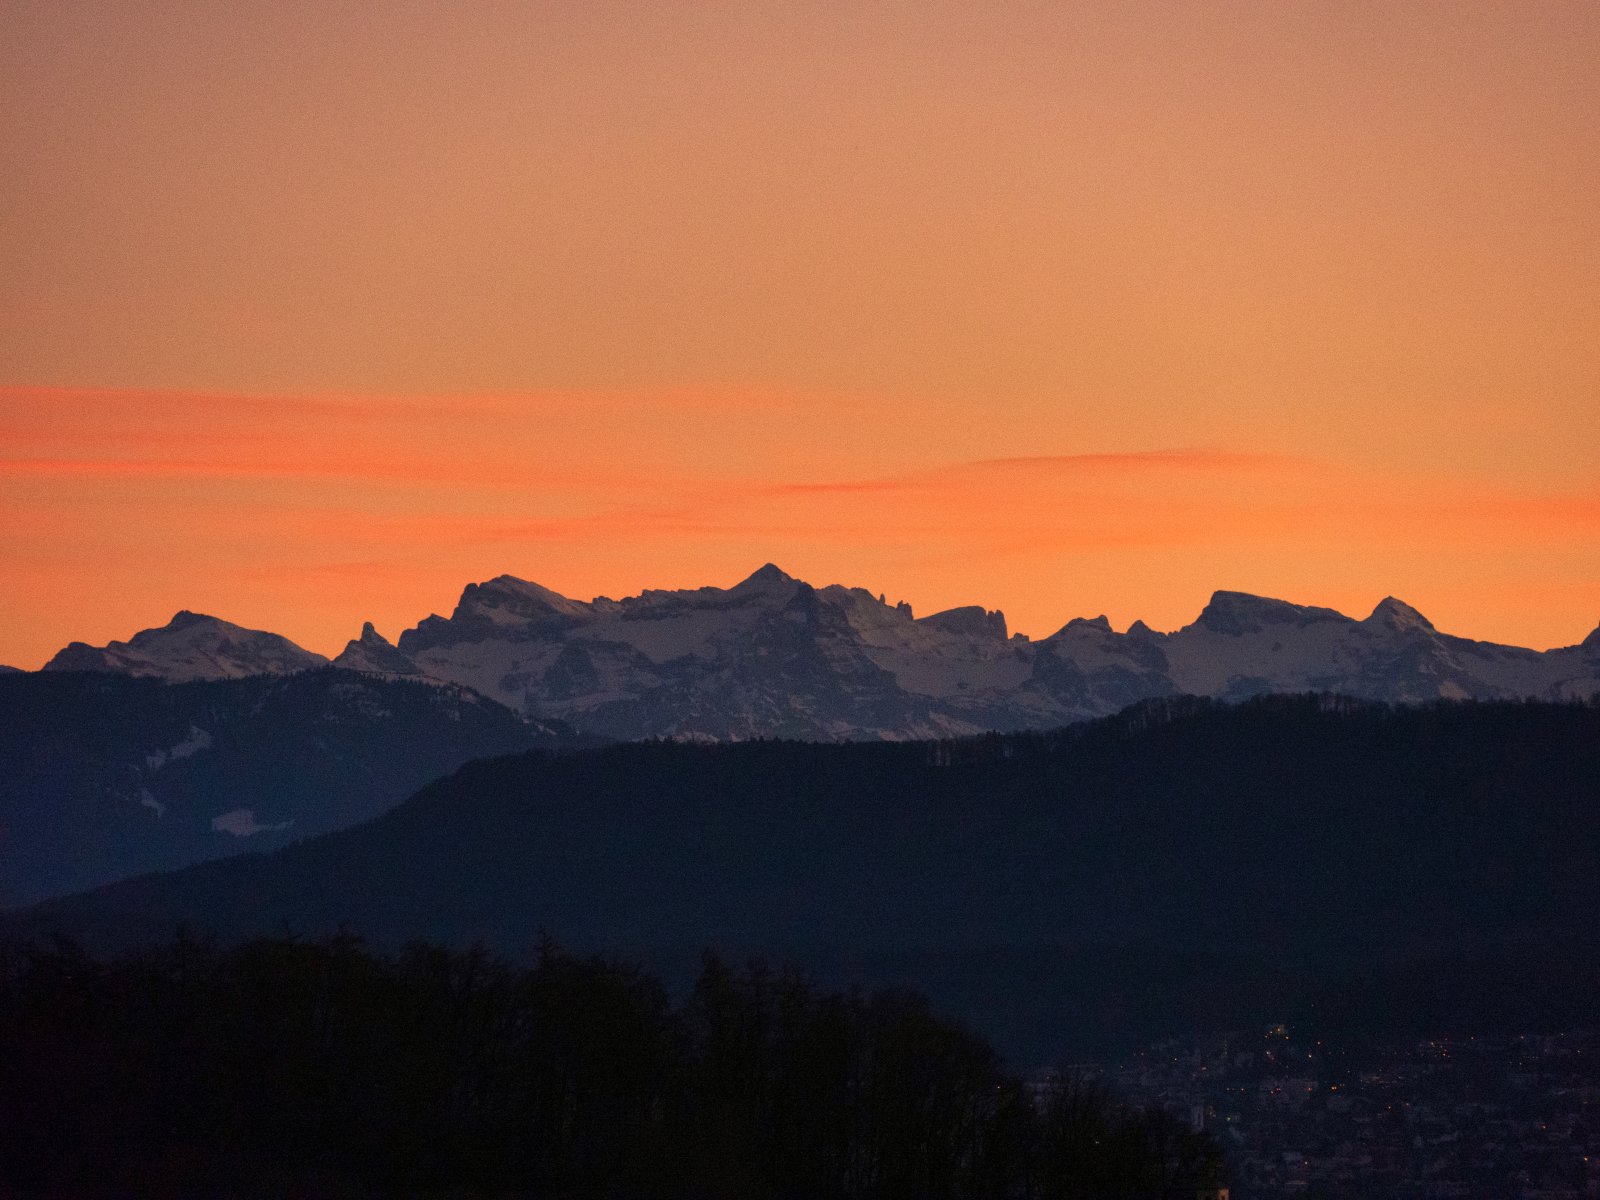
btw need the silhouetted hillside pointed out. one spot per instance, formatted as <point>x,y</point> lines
<point>103,776</point>
<point>1183,862</point>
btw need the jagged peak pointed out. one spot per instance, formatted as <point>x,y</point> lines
<point>374,652</point>
<point>1398,615</point>
<point>1140,629</point>
<point>1592,642</point>
<point>971,620</point>
<point>371,638</point>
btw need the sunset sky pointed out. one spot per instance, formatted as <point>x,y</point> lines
<point>312,312</point>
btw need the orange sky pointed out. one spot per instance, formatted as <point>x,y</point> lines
<point>312,312</point>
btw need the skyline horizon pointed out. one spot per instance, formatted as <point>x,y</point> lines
<point>313,311</point>
<point>331,650</point>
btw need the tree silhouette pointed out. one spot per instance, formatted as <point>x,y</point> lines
<point>290,1066</point>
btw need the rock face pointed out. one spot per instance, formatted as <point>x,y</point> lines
<point>773,656</point>
<point>374,654</point>
<point>190,647</point>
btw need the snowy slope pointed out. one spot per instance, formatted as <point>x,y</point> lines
<point>1244,645</point>
<point>191,647</point>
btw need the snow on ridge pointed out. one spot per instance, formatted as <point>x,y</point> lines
<point>242,823</point>
<point>192,646</point>
<point>197,741</point>
<point>772,653</point>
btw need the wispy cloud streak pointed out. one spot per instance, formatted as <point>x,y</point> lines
<point>313,514</point>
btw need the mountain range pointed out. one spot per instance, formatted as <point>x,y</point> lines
<point>774,656</point>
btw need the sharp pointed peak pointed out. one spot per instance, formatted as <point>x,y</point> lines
<point>768,579</point>
<point>372,652</point>
<point>767,573</point>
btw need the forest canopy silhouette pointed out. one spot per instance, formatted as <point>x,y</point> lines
<point>291,1067</point>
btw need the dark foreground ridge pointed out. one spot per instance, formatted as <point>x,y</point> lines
<point>288,1068</point>
<point>1187,864</point>
<point>103,776</point>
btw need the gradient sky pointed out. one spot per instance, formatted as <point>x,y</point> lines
<point>312,312</point>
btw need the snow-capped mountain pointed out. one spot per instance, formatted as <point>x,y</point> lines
<point>191,646</point>
<point>773,656</point>
<point>1246,645</point>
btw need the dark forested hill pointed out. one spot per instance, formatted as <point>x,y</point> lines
<point>1183,861</point>
<point>105,776</point>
